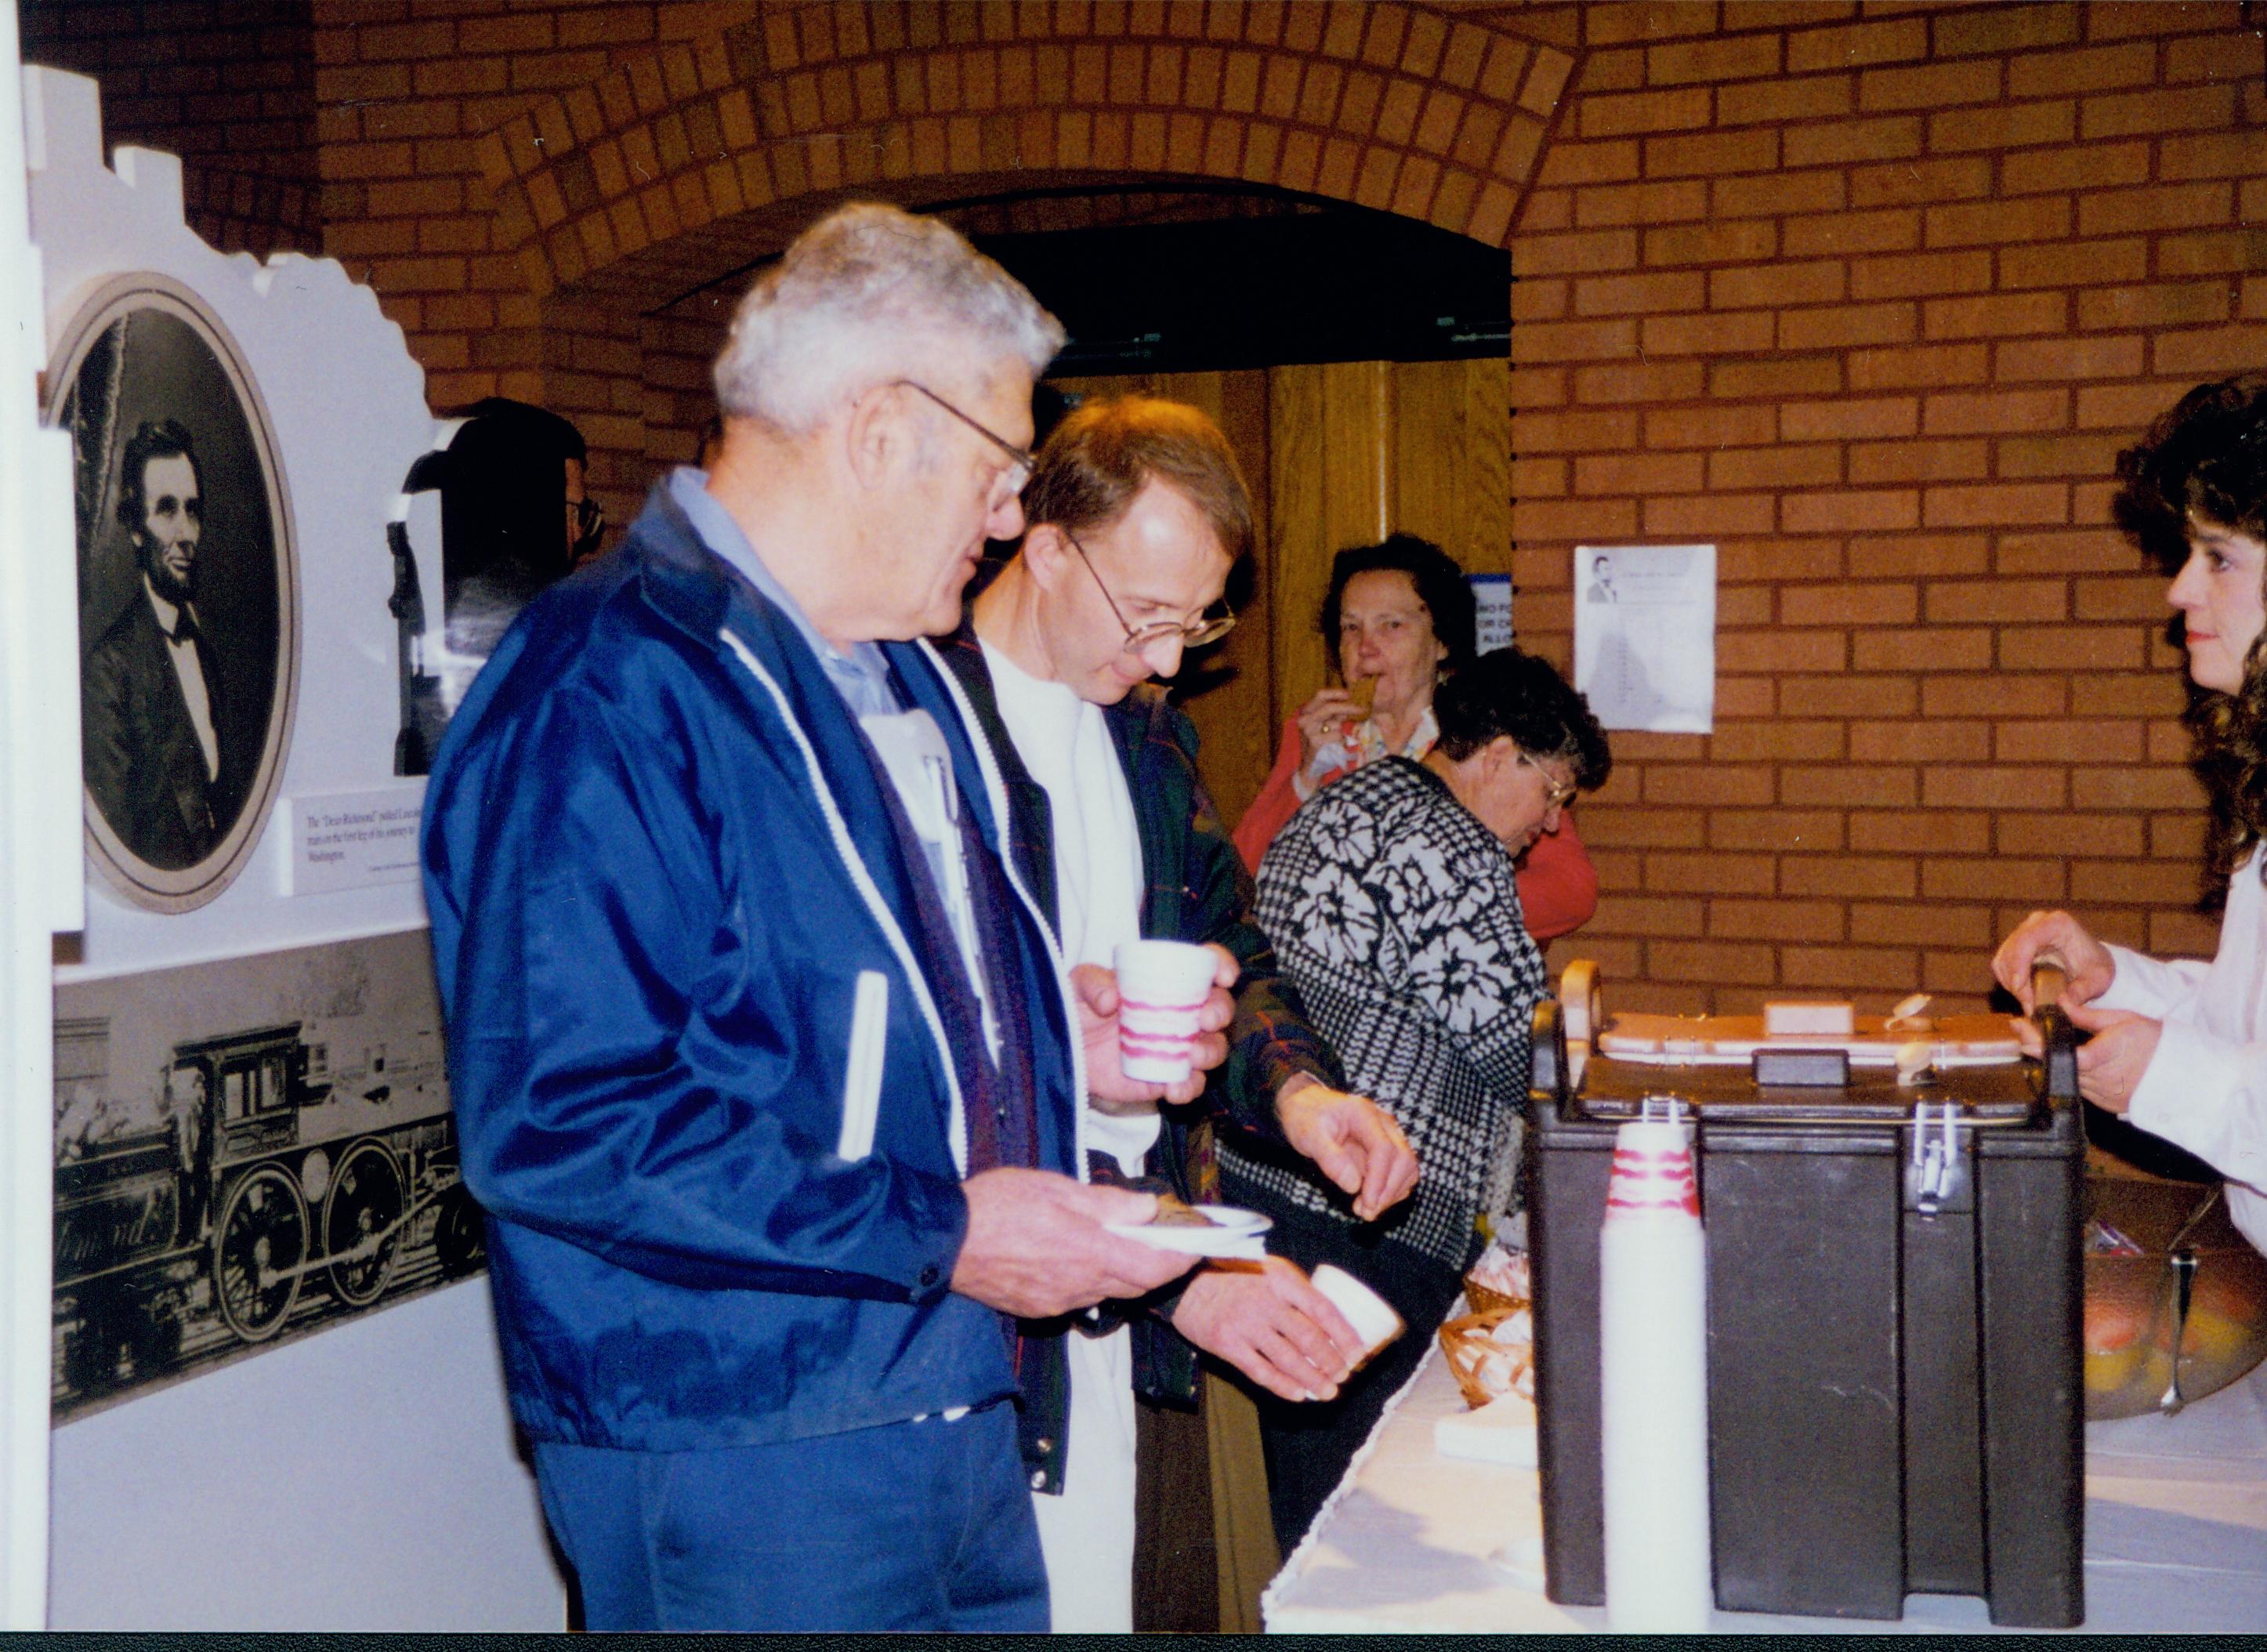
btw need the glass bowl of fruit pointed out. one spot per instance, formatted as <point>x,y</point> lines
<point>2166,1270</point>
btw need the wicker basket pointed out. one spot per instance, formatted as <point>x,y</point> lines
<point>1479,1296</point>
<point>1466,1342</point>
<point>1481,1299</point>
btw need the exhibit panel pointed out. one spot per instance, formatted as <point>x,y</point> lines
<point>40,887</point>
<point>255,1191</point>
<point>281,396</point>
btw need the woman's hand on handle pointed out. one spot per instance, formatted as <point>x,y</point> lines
<point>2111,1061</point>
<point>2055,936</point>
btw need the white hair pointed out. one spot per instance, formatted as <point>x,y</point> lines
<point>869,294</point>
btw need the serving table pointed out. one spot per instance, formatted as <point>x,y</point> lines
<point>2175,1534</point>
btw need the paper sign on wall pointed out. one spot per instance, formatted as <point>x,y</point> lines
<point>1645,635</point>
<point>1491,597</point>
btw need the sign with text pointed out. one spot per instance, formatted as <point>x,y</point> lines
<point>1491,601</point>
<point>1645,635</point>
<point>353,840</point>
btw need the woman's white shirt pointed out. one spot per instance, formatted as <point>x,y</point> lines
<point>2205,1088</point>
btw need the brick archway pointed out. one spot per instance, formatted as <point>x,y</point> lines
<point>672,168</point>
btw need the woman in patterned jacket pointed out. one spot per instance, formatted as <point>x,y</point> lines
<point>1392,900</point>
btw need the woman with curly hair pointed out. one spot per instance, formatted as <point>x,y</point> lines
<point>2180,1047</point>
<point>1389,900</point>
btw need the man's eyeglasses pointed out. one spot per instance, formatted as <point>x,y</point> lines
<point>1556,794</point>
<point>1210,628</point>
<point>1021,461</point>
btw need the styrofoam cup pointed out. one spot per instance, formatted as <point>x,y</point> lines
<point>1162,988</point>
<point>1371,1316</point>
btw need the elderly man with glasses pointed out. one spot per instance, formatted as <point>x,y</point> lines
<point>768,1070</point>
<point>1136,513</point>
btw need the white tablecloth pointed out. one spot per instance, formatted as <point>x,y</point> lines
<point>2175,1534</point>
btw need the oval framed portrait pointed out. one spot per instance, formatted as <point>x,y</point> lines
<point>188,590</point>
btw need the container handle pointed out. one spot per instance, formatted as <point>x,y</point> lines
<point>1546,1071</point>
<point>2048,980</point>
<point>2059,1058</point>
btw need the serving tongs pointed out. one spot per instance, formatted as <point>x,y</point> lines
<point>2182,1260</point>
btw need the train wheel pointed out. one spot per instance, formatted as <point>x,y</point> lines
<point>155,1342</point>
<point>365,1202</point>
<point>91,1355</point>
<point>258,1246</point>
<point>459,1240</point>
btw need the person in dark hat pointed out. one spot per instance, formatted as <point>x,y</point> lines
<point>515,517</point>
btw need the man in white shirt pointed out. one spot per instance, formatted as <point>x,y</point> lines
<point>1136,515</point>
<point>160,757</point>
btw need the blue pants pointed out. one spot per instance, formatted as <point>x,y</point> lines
<point>911,1525</point>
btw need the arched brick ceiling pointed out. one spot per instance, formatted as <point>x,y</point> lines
<point>673,169</point>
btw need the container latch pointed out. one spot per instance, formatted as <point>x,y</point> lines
<point>1660,1106</point>
<point>1936,1176</point>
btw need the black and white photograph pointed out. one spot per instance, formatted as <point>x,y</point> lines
<point>186,593</point>
<point>245,1153</point>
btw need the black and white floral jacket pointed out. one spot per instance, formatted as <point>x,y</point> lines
<point>1396,915</point>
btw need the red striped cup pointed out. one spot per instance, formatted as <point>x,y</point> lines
<point>1162,988</point>
<point>1652,1173</point>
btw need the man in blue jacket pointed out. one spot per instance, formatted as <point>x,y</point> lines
<point>767,1070</point>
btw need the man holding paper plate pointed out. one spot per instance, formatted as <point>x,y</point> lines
<point>1137,512</point>
<point>766,1069</point>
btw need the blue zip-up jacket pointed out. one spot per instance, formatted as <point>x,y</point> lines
<point>658,855</point>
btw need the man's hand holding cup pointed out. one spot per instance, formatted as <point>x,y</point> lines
<point>1152,1027</point>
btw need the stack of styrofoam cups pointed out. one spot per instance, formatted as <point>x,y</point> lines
<point>1162,988</point>
<point>1652,1315</point>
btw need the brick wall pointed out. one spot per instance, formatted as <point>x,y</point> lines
<point>503,174</point>
<point>226,84</point>
<point>404,89</point>
<point>1870,297</point>
<point>1867,295</point>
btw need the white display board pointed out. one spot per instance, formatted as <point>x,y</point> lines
<point>40,887</point>
<point>344,404</point>
<point>364,1478</point>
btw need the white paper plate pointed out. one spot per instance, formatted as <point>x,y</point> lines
<point>1234,1233</point>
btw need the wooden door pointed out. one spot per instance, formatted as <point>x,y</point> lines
<point>1337,454</point>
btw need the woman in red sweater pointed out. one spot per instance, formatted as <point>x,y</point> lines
<point>1398,617</point>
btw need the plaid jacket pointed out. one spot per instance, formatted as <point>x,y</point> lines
<point>1398,916</point>
<point>1195,889</point>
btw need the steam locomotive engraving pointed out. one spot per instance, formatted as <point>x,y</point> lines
<point>271,1179</point>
